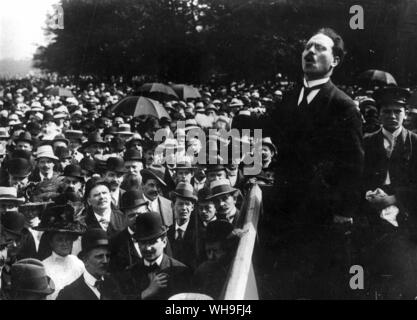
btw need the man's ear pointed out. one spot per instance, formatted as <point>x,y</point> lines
<point>336,61</point>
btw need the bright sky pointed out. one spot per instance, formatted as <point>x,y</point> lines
<point>21,23</point>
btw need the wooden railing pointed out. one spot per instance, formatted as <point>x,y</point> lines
<point>241,284</point>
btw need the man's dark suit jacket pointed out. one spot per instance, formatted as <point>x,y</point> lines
<point>123,252</point>
<point>79,290</point>
<point>188,250</point>
<point>135,280</point>
<point>117,221</point>
<point>321,155</point>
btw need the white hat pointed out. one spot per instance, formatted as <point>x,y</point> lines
<point>46,151</point>
<point>10,194</point>
<point>236,103</point>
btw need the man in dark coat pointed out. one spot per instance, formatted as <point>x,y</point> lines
<point>124,248</point>
<point>95,283</point>
<point>156,276</point>
<point>182,235</point>
<point>390,172</point>
<point>321,160</point>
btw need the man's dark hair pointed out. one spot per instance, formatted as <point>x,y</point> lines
<point>339,45</point>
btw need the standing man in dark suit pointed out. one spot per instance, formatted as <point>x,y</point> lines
<point>390,167</point>
<point>124,247</point>
<point>182,235</point>
<point>95,283</point>
<point>115,171</point>
<point>152,185</point>
<point>156,276</point>
<point>319,134</point>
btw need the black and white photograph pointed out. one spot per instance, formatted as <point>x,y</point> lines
<point>208,150</point>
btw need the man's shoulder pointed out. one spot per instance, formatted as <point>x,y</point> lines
<point>164,200</point>
<point>69,290</point>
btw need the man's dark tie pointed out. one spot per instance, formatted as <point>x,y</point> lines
<point>307,90</point>
<point>152,268</point>
<point>99,285</point>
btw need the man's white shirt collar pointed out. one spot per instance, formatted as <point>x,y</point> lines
<point>43,177</point>
<point>309,84</point>
<point>157,261</point>
<point>106,216</point>
<point>182,227</point>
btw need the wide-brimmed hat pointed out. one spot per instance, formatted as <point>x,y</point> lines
<point>94,138</point>
<point>184,190</point>
<point>19,167</point>
<point>61,138</point>
<point>74,171</point>
<point>4,133</point>
<point>184,163</point>
<point>88,164</point>
<point>204,194</point>
<point>10,194</point>
<point>132,199</point>
<point>268,142</point>
<point>154,172</point>
<point>149,226</point>
<point>74,134</point>
<point>29,275</point>
<point>60,218</point>
<point>133,154</point>
<point>116,164</point>
<point>46,151</point>
<point>92,239</point>
<point>221,187</point>
<point>25,137</point>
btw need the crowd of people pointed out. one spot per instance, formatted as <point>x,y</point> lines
<point>94,205</point>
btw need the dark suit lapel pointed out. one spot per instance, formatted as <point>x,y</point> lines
<point>322,98</point>
<point>91,219</point>
<point>84,290</point>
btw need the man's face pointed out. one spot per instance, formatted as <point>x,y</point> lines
<point>149,157</point>
<point>45,165</point>
<point>132,214</point>
<point>152,249</point>
<point>23,145</point>
<point>108,138</point>
<point>97,261</point>
<point>151,189</point>
<point>114,179</point>
<point>73,184</point>
<point>14,243</point>
<point>182,210</point>
<point>206,210</point>
<point>216,175</point>
<point>134,167</point>
<point>266,153</point>
<point>215,251</point>
<point>392,117</point>
<point>7,206</point>
<point>183,175</point>
<point>61,243</point>
<point>99,198</point>
<point>225,203</point>
<point>317,58</point>
<point>18,182</point>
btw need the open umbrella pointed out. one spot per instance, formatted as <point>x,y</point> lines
<point>157,91</point>
<point>136,106</point>
<point>376,77</point>
<point>59,92</point>
<point>186,92</point>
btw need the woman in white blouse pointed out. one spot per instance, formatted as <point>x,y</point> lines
<point>61,230</point>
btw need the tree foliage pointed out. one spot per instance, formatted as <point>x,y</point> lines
<point>189,40</point>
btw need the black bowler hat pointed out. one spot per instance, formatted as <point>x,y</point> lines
<point>88,164</point>
<point>133,154</point>
<point>116,164</point>
<point>149,226</point>
<point>19,167</point>
<point>132,199</point>
<point>73,170</point>
<point>221,187</point>
<point>25,137</point>
<point>92,239</point>
<point>391,95</point>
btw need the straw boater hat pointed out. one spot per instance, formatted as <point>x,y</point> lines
<point>10,194</point>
